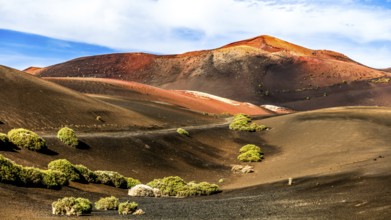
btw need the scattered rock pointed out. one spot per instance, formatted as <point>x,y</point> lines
<point>242,169</point>
<point>138,212</point>
<point>141,190</point>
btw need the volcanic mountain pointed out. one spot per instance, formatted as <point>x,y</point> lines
<point>260,70</point>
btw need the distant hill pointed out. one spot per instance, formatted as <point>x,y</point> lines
<point>261,70</point>
<point>33,70</point>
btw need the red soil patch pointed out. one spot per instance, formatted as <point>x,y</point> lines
<point>184,99</point>
<point>271,44</point>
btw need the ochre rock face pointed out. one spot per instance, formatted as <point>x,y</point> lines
<point>33,70</point>
<point>252,70</point>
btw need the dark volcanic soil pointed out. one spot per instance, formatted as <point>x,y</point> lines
<point>339,159</point>
<point>342,196</point>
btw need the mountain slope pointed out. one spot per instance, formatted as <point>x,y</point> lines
<point>126,93</point>
<point>33,103</point>
<point>259,70</point>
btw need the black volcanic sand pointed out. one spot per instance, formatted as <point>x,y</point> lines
<point>342,196</point>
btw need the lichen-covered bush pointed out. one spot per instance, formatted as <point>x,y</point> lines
<point>68,137</point>
<point>15,174</point>
<point>176,186</point>
<point>250,153</point>
<point>126,208</point>
<point>242,122</point>
<point>26,139</point>
<point>182,131</point>
<point>107,203</point>
<point>71,206</point>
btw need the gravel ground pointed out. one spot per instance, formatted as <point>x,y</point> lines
<point>344,196</point>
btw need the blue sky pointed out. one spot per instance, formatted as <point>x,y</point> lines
<point>45,32</point>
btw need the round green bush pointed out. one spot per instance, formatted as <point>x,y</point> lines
<point>198,189</point>
<point>168,185</point>
<point>126,208</point>
<point>176,186</point>
<point>249,147</point>
<point>54,179</point>
<point>71,206</point>
<point>107,203</point>
<point>68,137</point>
<point>182,131</point>
<point>242,122</point>
<point>250,156</point>
<point>111,178</point>
<point>67,168</point>
<point>26,139</point>
<point>88,175</point>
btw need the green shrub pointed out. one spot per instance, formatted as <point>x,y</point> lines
<point>67,168</point>
<point>169,185</point>
<point>86,174</point>
<point>68,136</point>
<point>71,206</point>
<point>381,80</point>
<point>198,189</point>
<point>111,178</point>
<point>248,147</point>
<point>80,173</point>
<point>26,139</point>
<point>250,153</point>
<point>54,179</point>
<point>9,171</point>
<point>176,186</point>
<point>250,156</point>
<point>3,139</point>
<point>107,203</point>
<point>132,182</point>
<point>16,174</point>
<point>242,122</point>
<point>125,208</point>
<point>182,131</point>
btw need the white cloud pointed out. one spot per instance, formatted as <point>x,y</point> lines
<point>153,25</point>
